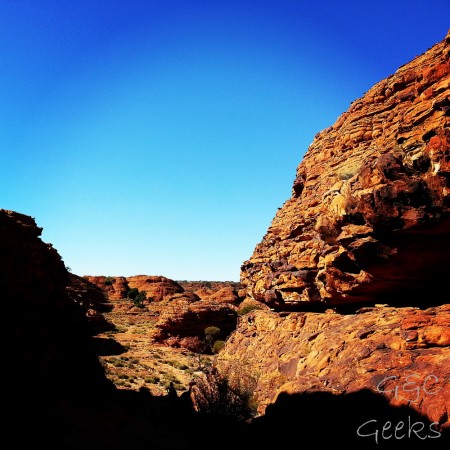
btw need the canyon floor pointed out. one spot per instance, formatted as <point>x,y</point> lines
<point>132,361</point>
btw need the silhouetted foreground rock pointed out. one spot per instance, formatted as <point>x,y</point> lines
<point>357,420</point>
<point>92,299</point>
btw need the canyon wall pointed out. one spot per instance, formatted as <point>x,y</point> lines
<point>355,263</point>
<point>55,372</point>
<point>368,216</point>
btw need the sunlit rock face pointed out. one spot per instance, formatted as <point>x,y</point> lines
<point>369,212</point>
<point>355,264</point>
<point>114,288</point>
<point>402,354</point>
<point>157,288</point>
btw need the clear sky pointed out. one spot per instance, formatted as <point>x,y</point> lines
<point>160,137</point>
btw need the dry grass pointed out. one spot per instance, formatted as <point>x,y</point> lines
<point>144,363</point>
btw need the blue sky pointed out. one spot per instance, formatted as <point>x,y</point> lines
<point>160,137</point>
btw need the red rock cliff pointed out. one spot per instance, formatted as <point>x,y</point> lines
<point>370,203</point>
<point>368,221</point>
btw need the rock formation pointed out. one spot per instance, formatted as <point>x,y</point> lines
<point>308,352</point>
<point>354,264</point>
<point>369,212</point>
<point>53,360</point>
<point>220,291</point>
<point>225,294</point>
<point>182,323</point>
<point>93,301</point>
<point>157,288</point>
<point>115,288</point>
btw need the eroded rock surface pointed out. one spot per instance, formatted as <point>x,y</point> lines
<point>115,288</point>
<point>157,288</point>
<point>182,323</point>
<point>364,241</point>
<point>371,200</point>
<point>380,348</point>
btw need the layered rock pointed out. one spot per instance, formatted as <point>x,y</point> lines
<point>157,288</point>
<point>225,294</point>
<point>370,204</point>
<point>400,353</point>
<point>182,322</point>
<point>368,224</point>
<point>115,288</point>
<point>220,291</point>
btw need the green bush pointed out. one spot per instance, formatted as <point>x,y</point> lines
<point>247,309</point>
<point>211,334</point>
<point>109,281</point>
<point>132,293</point>
<point>217,346</point>
<point>212,331</point>
<point>154,379</point>
<point>215,395</point>
<point>139,299</point>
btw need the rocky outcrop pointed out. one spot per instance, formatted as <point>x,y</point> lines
<point>115,288</point>
<point>354,264</point>
<point>223,295</point>
<point>160,288</point>
<point>53,359</point>
<point>93,301</point>
<point>219,291</point>
<point>400,353</point>
<point>157,288</point>
<point>369,212</point>
<point>182,322</point>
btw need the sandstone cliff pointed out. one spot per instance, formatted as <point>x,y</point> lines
<point>157,288</point>
<point>365,242</point>
<point>115,288</point>
<point>369,211</point>
<point>183,321</point>
<point>51,334</point>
